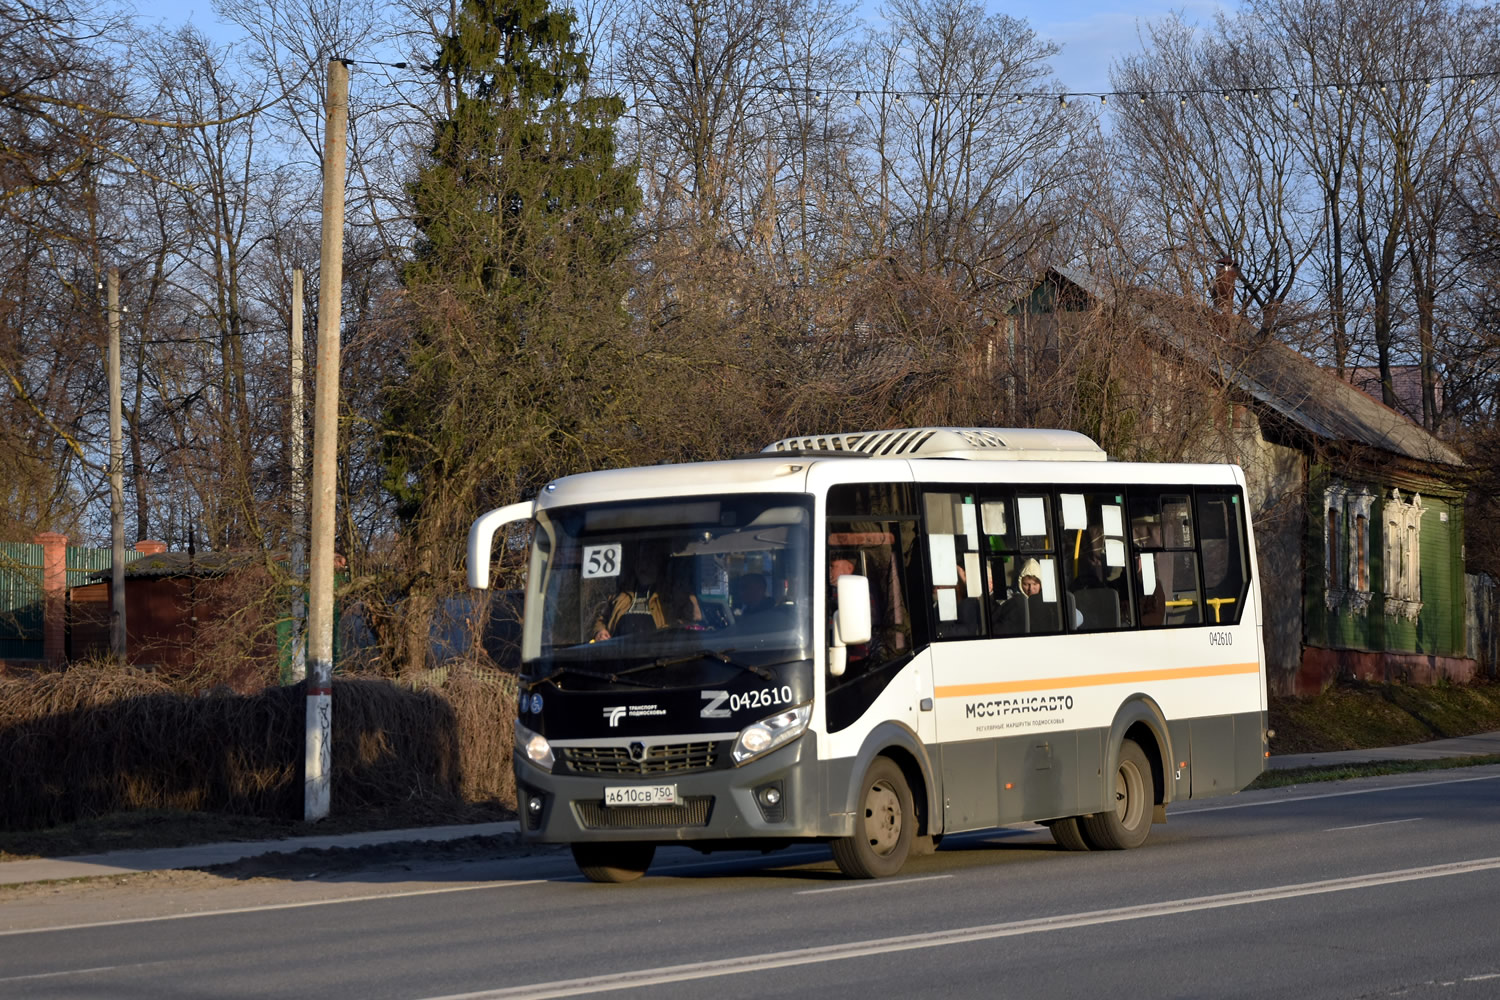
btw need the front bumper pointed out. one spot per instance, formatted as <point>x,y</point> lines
<point>722,804</point>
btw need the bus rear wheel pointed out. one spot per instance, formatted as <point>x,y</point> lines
<point>1068,832</point>
<point>613,862</point>
<point>1134,793</point>
<point>884,827</point>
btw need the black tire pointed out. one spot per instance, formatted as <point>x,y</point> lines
<point>613,862</point>
<point>884,826</point>
<point>1134,795</point>
<point>1068,832</point>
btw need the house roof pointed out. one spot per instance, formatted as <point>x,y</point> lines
<point>1329,407</point>
<point>1289,383</point>
<point>1405,379</point>
<point>165,564</point>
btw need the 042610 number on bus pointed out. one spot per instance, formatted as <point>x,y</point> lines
<point>763,698</point>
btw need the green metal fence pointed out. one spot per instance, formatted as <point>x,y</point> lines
<point>22,600</point>
<point>21,607</point>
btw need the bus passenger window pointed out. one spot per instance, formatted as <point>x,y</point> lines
<point>1025,597</point>
<point>1220,538</point>
<point>1161,530</point>
<point>960,586</point>
<point>1093,558</point>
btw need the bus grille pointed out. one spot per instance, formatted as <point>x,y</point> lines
<point>693,811</point>
<point>664,759</point>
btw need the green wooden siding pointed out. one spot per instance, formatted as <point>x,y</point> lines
<point>1439,627</point>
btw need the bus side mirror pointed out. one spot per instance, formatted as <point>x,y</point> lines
<point>482,539</point>
<point>851,625</point>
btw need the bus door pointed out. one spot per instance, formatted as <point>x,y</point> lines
<point>872,531</point>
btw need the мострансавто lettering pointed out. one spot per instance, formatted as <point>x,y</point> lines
<point>1018,706</point>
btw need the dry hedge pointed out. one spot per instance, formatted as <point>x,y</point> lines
<point>95,740</point>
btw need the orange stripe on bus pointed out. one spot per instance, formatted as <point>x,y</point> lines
<point>1097,680</point>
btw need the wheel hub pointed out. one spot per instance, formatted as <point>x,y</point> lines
<point>882,817</point>
<point>1128,791</point>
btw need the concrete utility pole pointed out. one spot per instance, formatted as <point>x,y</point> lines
<point>116,480</point>
<point>298,671</point>
<point>317,791</point>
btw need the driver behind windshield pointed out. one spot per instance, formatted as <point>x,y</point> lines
<point>653,598</point>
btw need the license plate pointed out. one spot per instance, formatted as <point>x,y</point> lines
<point>640,795</point>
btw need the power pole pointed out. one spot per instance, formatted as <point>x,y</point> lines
<point>298,670</point>
<point>317,791</point>
<point>116,480</point>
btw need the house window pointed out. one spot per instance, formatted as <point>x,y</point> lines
<point>1403,555</point>
<point>1334,535</point>
<point>1360,559</point>
<point>1346,544</point>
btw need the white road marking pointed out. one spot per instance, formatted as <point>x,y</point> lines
<point>961,935</point>
<point>1328,795</point>
<point>268,908</point>
<point>65,972</point>
<point>873,884</point>
<point>1366,826</point>
<point>1480,979</point>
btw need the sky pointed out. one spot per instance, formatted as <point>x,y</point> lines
<point>1091,33</point>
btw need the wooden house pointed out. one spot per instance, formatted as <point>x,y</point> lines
<point>1358,510</point>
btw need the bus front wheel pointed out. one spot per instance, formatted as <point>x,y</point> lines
<point>613,862</point>
<point>1134,797</point>
<point>884,827</point>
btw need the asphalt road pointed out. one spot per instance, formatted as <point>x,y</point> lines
<point>1381,887</point>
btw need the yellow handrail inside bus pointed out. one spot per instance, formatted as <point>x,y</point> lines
<point>1216,602</point>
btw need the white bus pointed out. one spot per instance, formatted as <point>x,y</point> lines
<point>875,639</point>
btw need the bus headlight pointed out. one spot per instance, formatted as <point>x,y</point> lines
<point>534,747</point>
<point>770,733</point>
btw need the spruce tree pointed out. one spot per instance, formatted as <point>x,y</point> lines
<point>519,342</point>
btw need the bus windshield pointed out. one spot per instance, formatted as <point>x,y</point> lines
<point>629,584</point>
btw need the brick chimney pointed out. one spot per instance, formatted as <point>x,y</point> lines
<point>148,547</point>
<point>1225,278</point>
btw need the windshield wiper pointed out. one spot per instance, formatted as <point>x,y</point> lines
<point>722,655</point>
<point>612,678</point>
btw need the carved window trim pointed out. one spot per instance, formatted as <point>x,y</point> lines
<point>1357,517</point>
<point>1403,555</point>
<point>1346,546</point>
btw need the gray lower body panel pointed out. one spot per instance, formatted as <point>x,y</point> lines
<point>717,805</point>
<point>982,783</point>
<point>1019,779</point>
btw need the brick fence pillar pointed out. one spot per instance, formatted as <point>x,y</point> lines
<point>55,595</point>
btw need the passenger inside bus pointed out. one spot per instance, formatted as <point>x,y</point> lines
<point>653,600</point>
<point>1031,609</point>
<point>751,597</point>
<point>1098,603</point>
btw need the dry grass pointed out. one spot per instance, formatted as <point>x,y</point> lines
<point>94,741</point>
<point>1357,716</point>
